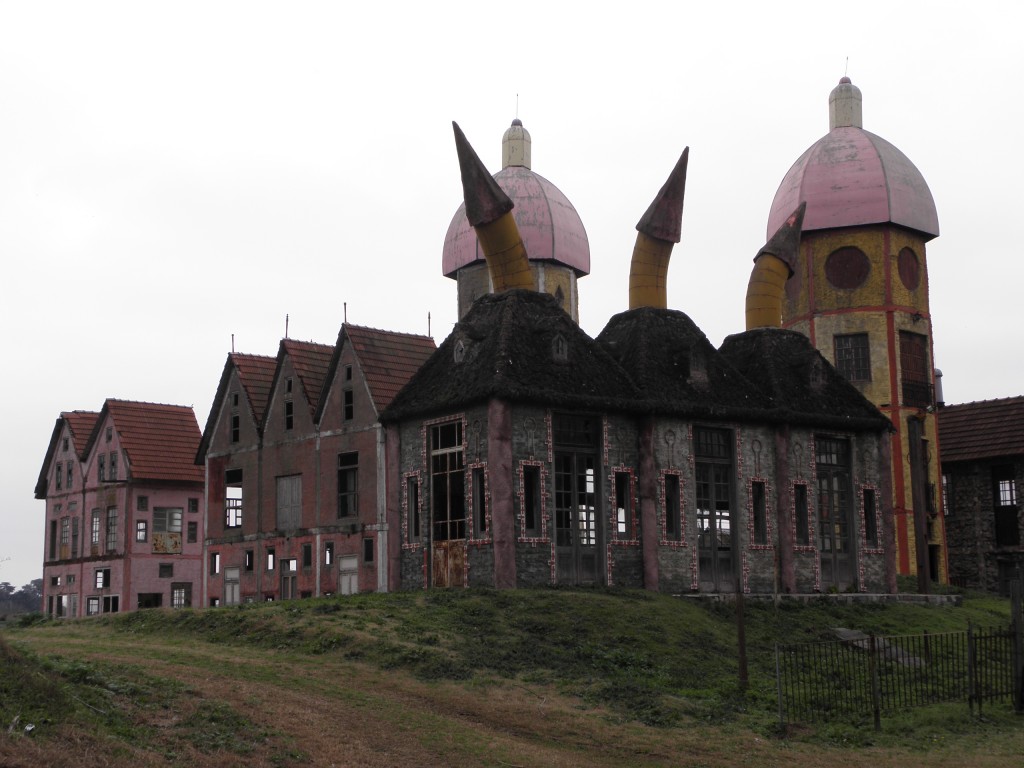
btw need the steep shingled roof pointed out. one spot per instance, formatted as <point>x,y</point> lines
<point>80,424</point>
<point>676,368</point>
<point>255,373</point>
<point>505,348</point>
<point>388,360</point>
<point>802,386</point>
<point>310,362</point>
<point>983,430</point>
<point>160,441</point>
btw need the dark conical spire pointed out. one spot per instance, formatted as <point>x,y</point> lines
<point>485,200</point>
<point>664,217</point>
<point>785,243</point>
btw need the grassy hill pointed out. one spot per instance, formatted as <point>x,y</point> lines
<point>473,677</point>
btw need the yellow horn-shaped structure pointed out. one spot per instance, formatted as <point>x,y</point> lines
<point>489,211</point>
<point>658,230</point>
<point>773,266</point>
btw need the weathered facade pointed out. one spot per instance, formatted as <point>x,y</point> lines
<point>124,528</point>
<point>983,491</point>
<point>294,460</point>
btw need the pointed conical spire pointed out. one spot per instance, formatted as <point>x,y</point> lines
<point>485,200</point>
<point>785,243</point>
<point>845,106</point>
<point>664,218</point>
<point>773,266</point>
<point>657,230</point>
<point>489,210</point>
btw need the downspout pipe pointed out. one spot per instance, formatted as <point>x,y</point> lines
<point>489,211</point>
<point>773,266</point>
<point>657,231</point>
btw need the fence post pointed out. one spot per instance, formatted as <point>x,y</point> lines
<point>778,685</point>
<point>876,694</point>
<point>1018,644</point>
<point>971,670</point>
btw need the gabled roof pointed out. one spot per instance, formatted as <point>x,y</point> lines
<point>255,374</point>
<point>388,360</point>
<point>505,348</point>
<point>80,425</point>
<point>310,362</point>
<point>983,430</point>
<point>160,441</point>
<point>676,368</point>
<point>802,387</point>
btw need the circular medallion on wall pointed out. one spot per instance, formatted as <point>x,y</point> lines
<point>909,268</point>
<point>847,267</point>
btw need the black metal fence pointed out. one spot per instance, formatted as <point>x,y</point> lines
<point>868,675</point>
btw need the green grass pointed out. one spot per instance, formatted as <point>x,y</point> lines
<point>644,658</point>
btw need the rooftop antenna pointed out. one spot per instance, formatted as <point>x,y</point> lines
<point>428,324</point>
<point>344,312</point>
<point>517,106</point>
<point>846,69</point>
<point>232,343</point>
<point>286,325</point>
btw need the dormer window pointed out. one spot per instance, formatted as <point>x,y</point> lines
<point>64,445</point>
<point>288,385</point>
<point>559,348</point>
<point>459,353</point>
<point>110,434</point>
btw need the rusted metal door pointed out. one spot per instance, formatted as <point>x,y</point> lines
<point>449,564</point>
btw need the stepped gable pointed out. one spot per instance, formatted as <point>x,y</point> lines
<point>80,425</point>
<point>987,429</point>
<point>802,386</point>
<point>518,346</point>
<point>310,362</point>
<point>677,370</point>
<point>160,441</point>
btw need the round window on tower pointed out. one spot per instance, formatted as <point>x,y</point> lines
<point>847,267</point>
<point>910,269</point>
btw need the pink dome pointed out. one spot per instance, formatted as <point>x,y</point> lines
<point>549,225</point>
<point>851,177</point>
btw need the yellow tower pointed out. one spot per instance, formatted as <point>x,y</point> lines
<point>860,293</point>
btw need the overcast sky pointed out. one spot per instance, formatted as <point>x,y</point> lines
<point>175,173</point>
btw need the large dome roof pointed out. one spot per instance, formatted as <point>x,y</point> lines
<point>548,223</point>
<point>851,177</point>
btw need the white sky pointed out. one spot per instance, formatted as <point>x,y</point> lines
<point>174,173</point>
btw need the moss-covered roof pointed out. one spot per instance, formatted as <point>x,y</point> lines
<point>801,385</point>
<point>518,346</point>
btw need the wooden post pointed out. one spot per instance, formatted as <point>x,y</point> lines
<point>876,693</point>
<point>741,637</point>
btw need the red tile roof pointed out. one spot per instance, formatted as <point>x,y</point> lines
<point>388,359</point>
<point>983,430</point>
<point>160,441</point>
<point>256,373</point>
<point>80,424</point>
<point>310,362</point>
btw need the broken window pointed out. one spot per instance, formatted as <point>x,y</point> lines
<point>181,595</point>
<point>101,467</point>
<point>102,578</point>
<point>801,520</point>
<point>70,476</point>
<point>479,501</point>
<point>448,482</point>
<point>289,414</point>
<point>1004,493</point>
<point>916,376</point>
<point>367,551</point>
<point>307,556</point>
<point>141,530</point>
<point>853,356</point>
<point>348,484</point>
<point>673,521</point>
<point>113,466</point>
<point>142,503</point>
<point>193,506</point>
<point>111,604</point>
<point>92,606</point>
<point>193,532</point>
<point>870,519</point>
<point>288,579</point>
<point>348,405</point>
<point>59,475</point>
<point>531,500</point>
<point>328,553</point>
<point>412,507</point>
<point>214,563</point>
<point>233,498</point>
<point>271,557</point>
<point>231,586</point>
<point>235,428</point>
<point>250,556</point>
<point>165,570</point>
<point>623,505</point>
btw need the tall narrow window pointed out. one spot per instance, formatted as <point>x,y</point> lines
<point>235,428</point>
<point>673,523</point>
<point>193,532</point>
<point>113,465</point>
<point>307,555</point>
<point>74,530</point>
<point>479,501</point>
<point>947,484</point>
<point>328,553</point>
<point>916,378</point>
<point>348,405</point>
<point>214,563</point>
<point>759,504</point>
<point>870,519</point>
<point>623,505</point>
<point>111,529</point>
<point>53,538</point>
<point>367,551</point>
<point>853,356</point>
<point>348,484</point>
<point>141,530</point>
<point>250,555</point>
<point>448,482</point>
<point>271,558</point>
<point>101,467</point>
<point>59,476</point>
<point>70,476</point>
<point>289,414</point>
<point>1004,496</point>
<point>94,533</point>
<point>803,527</point>
<point>412,501</point>
<point>714,478</point>
<point>531,500</point>
<point>233,498</point>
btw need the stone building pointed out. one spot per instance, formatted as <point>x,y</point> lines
<point>525,453</point>
<point>859,292</point>
<point>124,528</point>
<point>983,491</point>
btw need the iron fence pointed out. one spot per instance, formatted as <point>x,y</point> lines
<point>867,675</point>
